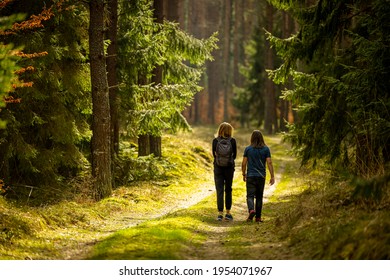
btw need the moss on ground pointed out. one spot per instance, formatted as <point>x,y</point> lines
<point>308,216</point>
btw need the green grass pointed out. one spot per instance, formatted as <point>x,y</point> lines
<point>185,230</point>
<point>308,216</point>
<point>49,230</point>
<point>165,238</point>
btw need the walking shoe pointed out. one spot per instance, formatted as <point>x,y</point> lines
<point>259,220</point>
<point>220,217</point>
<point>251,215</point>
<point>228,217</point>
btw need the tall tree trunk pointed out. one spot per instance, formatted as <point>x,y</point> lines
<point>155,145</point>
<point>143,139</point>
<point>172,10</point>
<point>212,90</point>
<point>158,13</point>
<point>195,26</point>
<point>284,104</point>
<point>270,108</point>
<point>213,17</point>
<point>228,57</point>
<point>4,161</point>
<point>239,35</point>
<point>143,145</point>
<point>111,62</point>
<point>101,144</point>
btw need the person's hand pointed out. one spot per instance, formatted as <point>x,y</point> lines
<point>244,177</point>
<point>272,181</point>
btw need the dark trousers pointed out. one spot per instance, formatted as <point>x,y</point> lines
<point>223,178</point>
<point>254,192</point>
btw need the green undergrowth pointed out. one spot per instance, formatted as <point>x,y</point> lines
<point>39,230</point>
<point>310,214</point>
<point>326,221</point>
<point>184,233</point>
<point>315,216</point>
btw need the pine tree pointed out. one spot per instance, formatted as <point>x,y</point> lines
<point>46,130</point>
<point>158,107</point>
<point>112,73</point>
<point>339,63</point>
<point>8,64</point>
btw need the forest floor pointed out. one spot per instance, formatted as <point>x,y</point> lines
<point>171,214</point>
<point>217,240</point>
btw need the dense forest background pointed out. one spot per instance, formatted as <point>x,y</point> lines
<point>89,87</point>
<point>235,86</point>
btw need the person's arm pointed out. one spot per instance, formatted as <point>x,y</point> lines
<point>214,146</point>
<point>243,167</point>
<point>271,171</point>
<point>234,147</point>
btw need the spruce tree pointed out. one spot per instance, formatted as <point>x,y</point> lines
<point>339,63</point>
<point>45,132</point>
<point>8,64</point>
<point>156,108</point>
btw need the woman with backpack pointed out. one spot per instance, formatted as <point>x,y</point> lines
<point>224,149</point>
<point>256,156</point>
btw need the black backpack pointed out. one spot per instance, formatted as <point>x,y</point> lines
<point>223,152</point>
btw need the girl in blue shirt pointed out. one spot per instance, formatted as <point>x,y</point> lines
<point>256,156</point>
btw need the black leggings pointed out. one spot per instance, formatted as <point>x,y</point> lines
<point>223,178</point>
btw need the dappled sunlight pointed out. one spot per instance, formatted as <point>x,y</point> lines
<point>175,217</point>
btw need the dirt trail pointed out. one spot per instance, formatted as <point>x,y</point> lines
<point>80,248</point>
<point>214,248</point>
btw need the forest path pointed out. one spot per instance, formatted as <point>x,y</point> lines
<point>234,240</point>
<point>221,240</point>
<point>81,247</point>
<point>225,240</point>
<point>219,236</point>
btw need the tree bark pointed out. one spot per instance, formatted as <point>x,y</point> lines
<point>143,145</point>
<point>239,40</point>
<point>284,104</point>
<point>111,61</point>
<point>143,139</point>
<point>172,10</point>
<point>270,108</point>
<point>158,13</point>
<point>4,162</point>
<point>155,145</point>
<point>227,57</point>
<point>101,142</point>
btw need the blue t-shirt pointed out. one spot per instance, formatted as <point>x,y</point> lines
<point>257,158</point>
